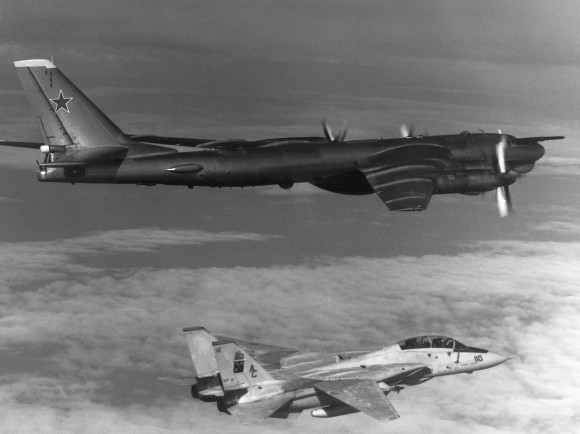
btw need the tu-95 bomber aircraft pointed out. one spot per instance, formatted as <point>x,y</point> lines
<point>82,145</point>
<point>253,381</point>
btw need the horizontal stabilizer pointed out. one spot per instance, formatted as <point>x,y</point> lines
<point>180,381</point>
<point>27,145</point>
<point>63,164</point>
<point>365,396</point>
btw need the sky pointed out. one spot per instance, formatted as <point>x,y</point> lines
<point>97,280</point>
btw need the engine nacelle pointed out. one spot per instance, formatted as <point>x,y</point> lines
<point>205,389</point>
<point>524,168</point>
<point>230,399</point>
<point>353,183</point>
<point>75,172</point>
<point>52,149</point>
<point>470,181</point>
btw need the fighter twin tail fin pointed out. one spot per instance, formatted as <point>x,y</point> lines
<point>199,341</point>
<point>237,369</point>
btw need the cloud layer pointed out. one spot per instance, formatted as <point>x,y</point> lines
<point>89,309</point>
<point>91,341</point>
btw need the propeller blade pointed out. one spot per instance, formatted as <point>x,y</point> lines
<point>327,131</point>
<point>500,152</point>
<point>504,201</point>
<point>407,131</point>
<point>330,135</point>
<point>342,133</point>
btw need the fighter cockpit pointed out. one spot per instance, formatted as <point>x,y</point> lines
<point>424,342</point>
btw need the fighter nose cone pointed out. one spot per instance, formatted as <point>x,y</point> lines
<point>494,359</point>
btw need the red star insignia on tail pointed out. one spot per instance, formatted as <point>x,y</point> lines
<point>61,102</point>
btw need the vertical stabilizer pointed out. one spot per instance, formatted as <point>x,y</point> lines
<point>237,369</point>
<point>67,117</point>
<point>199,341</point>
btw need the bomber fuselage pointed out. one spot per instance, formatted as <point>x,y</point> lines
<point>470,168</point>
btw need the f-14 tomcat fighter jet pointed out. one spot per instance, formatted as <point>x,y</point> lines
<point>82,145</point>
<point>254,381</point>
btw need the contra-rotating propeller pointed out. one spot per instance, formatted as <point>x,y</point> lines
<point>407,131</point>
<point>330,135</point>
<point>503,197</point>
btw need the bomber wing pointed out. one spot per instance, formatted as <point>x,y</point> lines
<point>223,144</point>
<point>365,396</point>
<point>398,175</point>
<point>526,140</point>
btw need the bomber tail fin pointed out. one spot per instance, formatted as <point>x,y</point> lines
<point>67,117</point>
<point>237,369</point>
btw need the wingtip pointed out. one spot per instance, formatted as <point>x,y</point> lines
<point>30,63</point>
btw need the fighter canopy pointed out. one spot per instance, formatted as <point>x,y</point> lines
<point>422,342</point>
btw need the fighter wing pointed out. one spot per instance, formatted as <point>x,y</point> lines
<point>255,412</point>
<point>400,175</point>
<point>394,372</point>
<point>365,396</point>
<point>269,356</point>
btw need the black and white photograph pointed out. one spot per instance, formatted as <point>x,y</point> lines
<point>289,216</point>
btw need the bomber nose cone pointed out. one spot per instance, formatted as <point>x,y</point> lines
<point>540,152</point>
<point>508,178</point>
